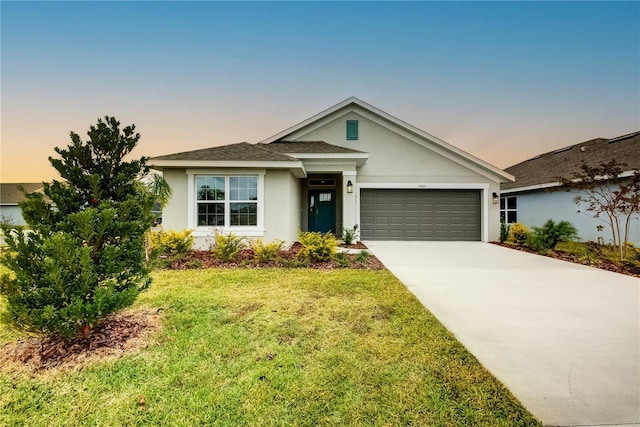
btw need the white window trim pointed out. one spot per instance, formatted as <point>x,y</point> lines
<point>484,196</point>
<point>506,210</point>
<point>243,231</point>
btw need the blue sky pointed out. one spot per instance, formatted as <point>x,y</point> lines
<point>501,80</point>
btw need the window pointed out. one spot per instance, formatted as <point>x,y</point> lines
<point>352,130</point>
<point>224,201</point>
<point>508,210</point>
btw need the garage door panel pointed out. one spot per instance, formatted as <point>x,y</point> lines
<point>420,214</point>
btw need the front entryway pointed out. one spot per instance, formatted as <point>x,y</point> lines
<point>322,210</point>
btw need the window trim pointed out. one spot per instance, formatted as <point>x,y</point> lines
<point>240,230</point>
<point>505,210</point>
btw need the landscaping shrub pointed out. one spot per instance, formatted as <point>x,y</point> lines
<point>551,233</point>
<point>85,256</point>
<point>266,252</point>
<point>342,259</point>
<point>317,246</point>
<point>363,256</point>
<point>227,246</point>
<point>504,231</point>
<point>174,243</point>
<point>350,234</point>
<point>518,233</point>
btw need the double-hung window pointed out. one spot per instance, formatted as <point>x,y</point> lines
<point>227,201</point>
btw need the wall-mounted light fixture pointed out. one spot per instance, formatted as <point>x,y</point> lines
<point>349,187</point>
<point>496,198</point>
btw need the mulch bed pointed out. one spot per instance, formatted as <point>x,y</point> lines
<point>603,263</point>
<point>119,333</point>
<point>287,258</point>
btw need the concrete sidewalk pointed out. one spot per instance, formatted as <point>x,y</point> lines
<point>564,338</point>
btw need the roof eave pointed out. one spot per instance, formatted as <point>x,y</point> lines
<point>296,167</point>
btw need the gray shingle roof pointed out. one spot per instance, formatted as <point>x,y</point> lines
<point>11,195</point>
<point>307,147</point>
<point>546,167</point>
<point>242,151</point>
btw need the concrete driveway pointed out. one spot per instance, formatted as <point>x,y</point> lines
<point>564,338</point>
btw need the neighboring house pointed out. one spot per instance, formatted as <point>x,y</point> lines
<point>351,164</point>
<point>536,195</point>
<point>10,195</point>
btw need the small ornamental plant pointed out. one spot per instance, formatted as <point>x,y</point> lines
<point>518,233</point>
<point>227,246</point>
<point>552,233</point>
<point>317,246</point>
<point>84,255</point>
<point>170,242</point>
<point>266,252</point>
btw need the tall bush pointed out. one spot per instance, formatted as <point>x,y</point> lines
<point>84,256</point>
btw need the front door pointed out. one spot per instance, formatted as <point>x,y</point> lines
<point>322,211</point>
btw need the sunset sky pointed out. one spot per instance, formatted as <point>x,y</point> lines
<point>503,81</point>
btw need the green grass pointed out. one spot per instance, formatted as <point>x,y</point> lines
<point>285,347</point>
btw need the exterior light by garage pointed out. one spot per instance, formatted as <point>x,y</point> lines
<point>349,187</point>
<point>496,198</point>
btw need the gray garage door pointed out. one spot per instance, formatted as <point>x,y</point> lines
<point>420,214</point>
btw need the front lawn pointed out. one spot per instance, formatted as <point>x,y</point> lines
<point>283,347</point>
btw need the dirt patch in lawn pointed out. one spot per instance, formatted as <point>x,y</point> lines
<point>119,334</point>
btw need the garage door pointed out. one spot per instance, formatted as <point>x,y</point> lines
<point>420,214</point>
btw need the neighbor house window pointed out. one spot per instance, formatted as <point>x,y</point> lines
<point>224,201</point>
<point>352,130</point>
<point>508,210</point>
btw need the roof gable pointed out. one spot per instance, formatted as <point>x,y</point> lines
<point>393,123</point>
<point>542,170</point>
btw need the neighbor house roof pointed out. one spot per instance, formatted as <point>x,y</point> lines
<point>541,171</point>
<point>10,193</point>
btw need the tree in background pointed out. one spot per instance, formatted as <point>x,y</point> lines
<point>617,202</point>
<point>84,256</point>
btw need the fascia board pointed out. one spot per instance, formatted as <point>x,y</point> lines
<point>297,167</point>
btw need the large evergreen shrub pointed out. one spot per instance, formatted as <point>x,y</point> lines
<point>84,256</point>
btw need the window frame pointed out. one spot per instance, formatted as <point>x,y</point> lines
<point>505,209</point>
<point>193,202</point>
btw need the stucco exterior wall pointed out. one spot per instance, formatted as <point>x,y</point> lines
<point>396,159</point>
<point>392,157</point>
<point>282,206</point>
<point>12,214</point>
<point>174,215</point>
<point>534,208</point>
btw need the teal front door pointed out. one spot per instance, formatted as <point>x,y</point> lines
<point>322,211</point>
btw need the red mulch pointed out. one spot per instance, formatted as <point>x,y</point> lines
<point>118,334</point>
<point>205,259</point>
<point>602,263</point>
